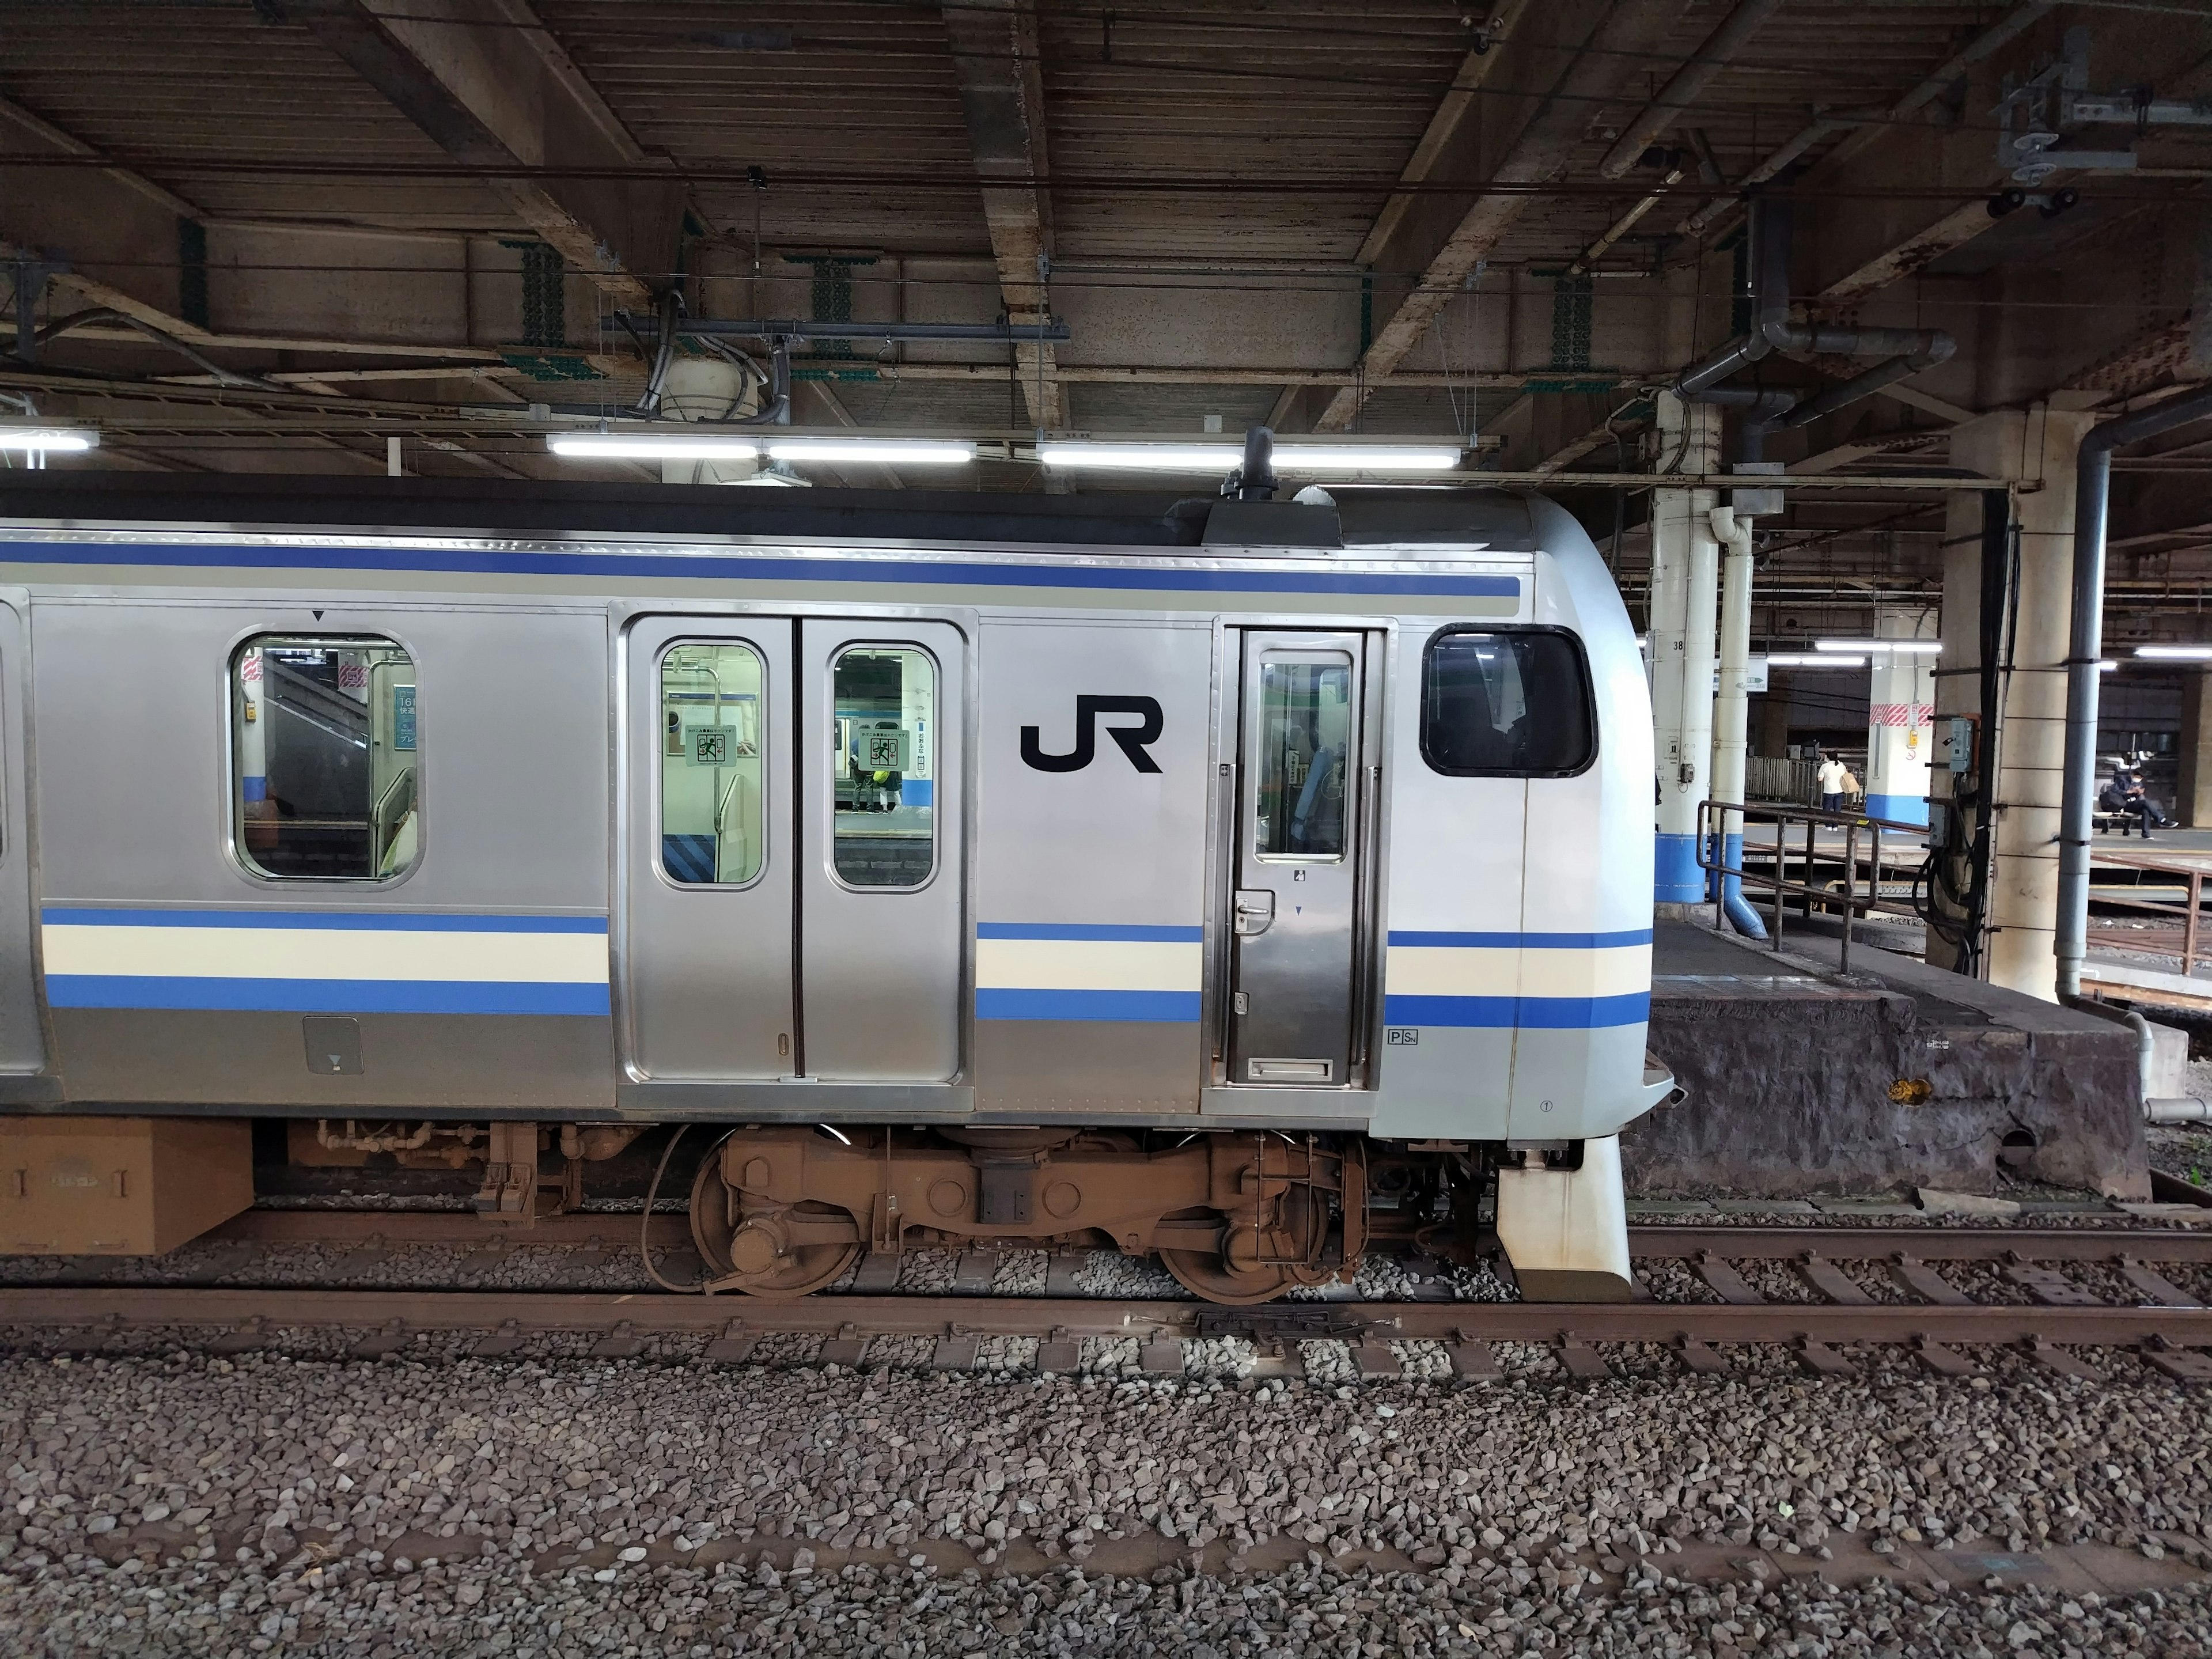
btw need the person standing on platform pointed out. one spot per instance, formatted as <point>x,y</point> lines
<point>1832,782</point>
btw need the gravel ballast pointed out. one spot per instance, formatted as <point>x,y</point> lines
<point>180,1502</point>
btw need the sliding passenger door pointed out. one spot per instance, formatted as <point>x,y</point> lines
<point>882,819</point>
<point>706,938</point>
<point>22,1045</point>
<point>1298,911</point>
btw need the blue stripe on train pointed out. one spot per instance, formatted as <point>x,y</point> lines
<point>1523,1013</point>
<point>1525,941</point>
<point>398,921</point>
<point>324,996</point>
<point>739,567</point>
<point>1177,1007</point>
<point>1097,932</point>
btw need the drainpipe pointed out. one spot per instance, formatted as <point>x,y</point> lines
<point>2093,478</point>
<point>1729,712</point>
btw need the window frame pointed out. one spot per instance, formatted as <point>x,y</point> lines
<point>659,761</point>
<point>837,653</point>
<point>235,757</point>
<point>1581,655</point>
<point>1323,657</point>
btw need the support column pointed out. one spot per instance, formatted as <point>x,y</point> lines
<point>1977,553</point>
<point>1733,532</point>
<point>2034,448</point>
<point>1685,593</point>
<point>1901,717</point>
<point>2192,796</point>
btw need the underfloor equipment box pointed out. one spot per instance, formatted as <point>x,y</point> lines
<point>119,1186</point>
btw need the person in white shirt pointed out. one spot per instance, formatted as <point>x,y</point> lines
<point>1831,783</point>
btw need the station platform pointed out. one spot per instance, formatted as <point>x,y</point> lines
<point>1805,1082</point>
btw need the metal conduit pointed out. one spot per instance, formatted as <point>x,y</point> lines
<point>2092,477</point>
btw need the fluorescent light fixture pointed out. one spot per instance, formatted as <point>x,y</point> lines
<point>2176,653</point>
<point>39,439</point>
<point>652,447</point>
<point>1823,658</point>
<point>1223,457</point>
<point>2106,667</point>
<point>887,452</point>
<point>1883,648</point>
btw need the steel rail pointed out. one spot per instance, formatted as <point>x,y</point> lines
<point>1930,1241</point>
<point>1059,1318</point>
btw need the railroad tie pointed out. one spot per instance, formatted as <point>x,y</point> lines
<point>2182,1364</point>
<point>242,1339</point>
<point>878,1272</point>
<point>2054,1357</point>
<point>621,1343</point>
<point>1059,1354</point>
<point>1832,1282</point>
<point>2162,1291</point>
<point>1823,1360</point>
<point>975,1272</point>
<point>388,1338</point>
<point>733,1346</point>
<point>1944,1362</point>
<point>1375,1361</point>
<point>1726,1282</point>
<point>1924,1282</point>
<point>848,1348</point>
<point>956,1350</point>
<point>1471,1360</point>
<point>506,1339</point>
<point>1062,1270</point>
<point>1584,1362</point>
<point>2050,1286</point>
<point>1697,1357</point>
<point>1162,1356</point>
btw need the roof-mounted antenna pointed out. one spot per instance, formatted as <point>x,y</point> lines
<point>1254,481</point>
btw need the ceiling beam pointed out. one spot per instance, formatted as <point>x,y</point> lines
<point>489,85</point>
<point>1729,37</point>
<point>1621,40</point>
<point>996,58</point>
<point>1443,127</point>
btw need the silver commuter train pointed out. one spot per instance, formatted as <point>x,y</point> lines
<point>1242,881</point>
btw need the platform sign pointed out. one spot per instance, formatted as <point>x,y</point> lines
<point>712,746</point>
<point>403,717</point>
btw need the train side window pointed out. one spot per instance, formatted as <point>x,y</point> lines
<point>883,764</point>
<point>713,815</point>
<point>323,757</point>
<point>1512,703</point>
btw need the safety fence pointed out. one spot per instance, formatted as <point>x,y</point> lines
<point>1860,835</point>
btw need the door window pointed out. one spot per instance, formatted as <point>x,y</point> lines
<point>883,765</point>
<point>1305,726</point>
<point>712,813</point>
<point>323,757</point>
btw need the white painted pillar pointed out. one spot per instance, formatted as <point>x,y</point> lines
<point>1902,715</point>
<point>1685,593</point>
<point>2037,447</point>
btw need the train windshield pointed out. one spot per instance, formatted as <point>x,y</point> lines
<point>1506,704</point>
<point>324,756</point>
<point>885,739</point>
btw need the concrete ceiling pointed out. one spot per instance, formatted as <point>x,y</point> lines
<point>281,231</point>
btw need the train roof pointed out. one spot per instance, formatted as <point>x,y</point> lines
<point>1495,520</point>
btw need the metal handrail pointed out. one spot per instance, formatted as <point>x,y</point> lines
<point>1713,822</point>
<point>2188,914</point>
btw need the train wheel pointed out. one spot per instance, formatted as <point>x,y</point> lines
<point>1251,1266</point>
<point>743,1252</point>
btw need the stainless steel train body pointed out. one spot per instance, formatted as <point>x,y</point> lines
<point>1320,821</point>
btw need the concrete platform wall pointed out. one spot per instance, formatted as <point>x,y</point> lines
<point>1801,1083</point>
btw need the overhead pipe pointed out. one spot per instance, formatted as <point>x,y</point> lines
<point>2093,478</point>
